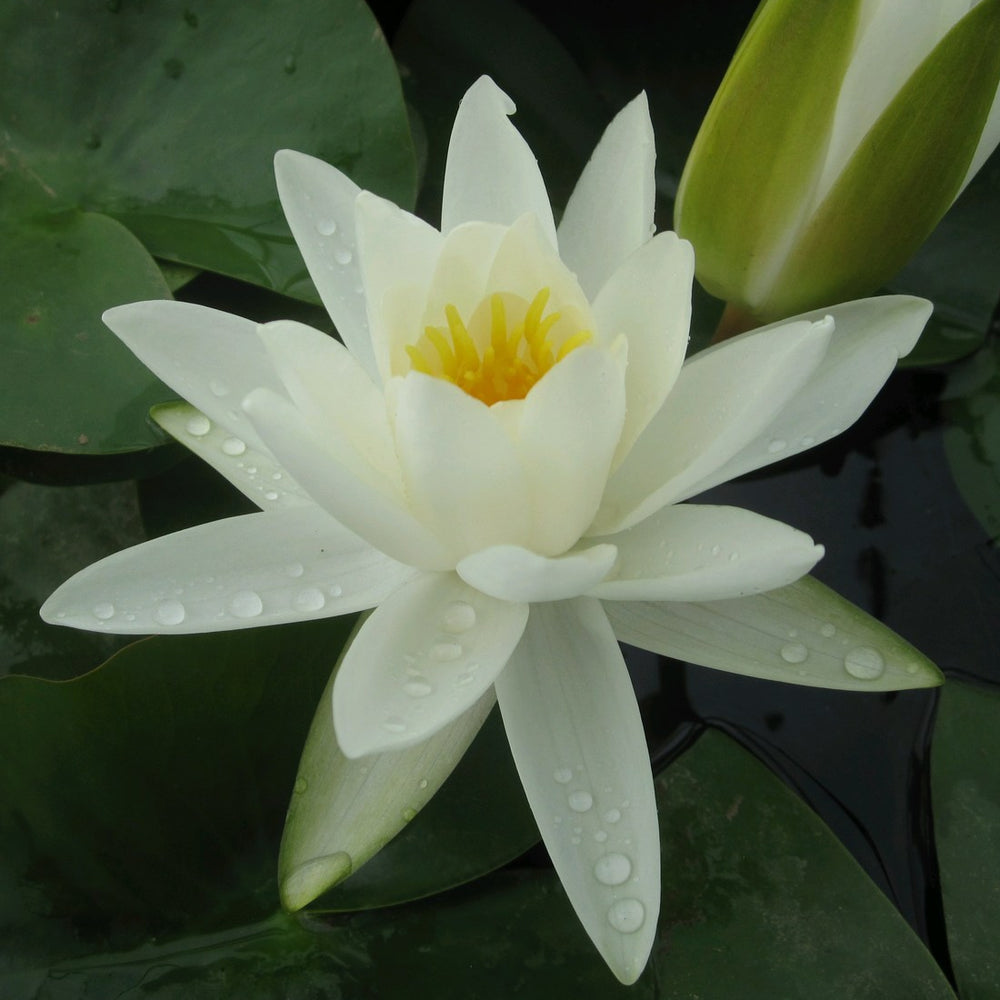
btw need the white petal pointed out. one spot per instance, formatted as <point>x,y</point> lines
<point>648,300</point>
<point>343,811</point>
<point>259,569</point>
<point>568,430</point>
<point>577,740</point>
<point>380,518</point>
<point>318,201</point>
<point>701,553</point>
<point>491,174</point>
<point>610,212</point>
<point>425,656</point>
<point>256,474</point>
<point>722,399</point>
<point>210,358</point>
<point>336,396</point>
<point>803,634</point>
<point>870,335</point>
<point>515,574</point>
<point>462,474</point>
<point>396,248</point>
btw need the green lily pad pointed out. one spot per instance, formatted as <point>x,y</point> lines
<point>966,786</point>
<point>759,901</point>
<point>159,121</point>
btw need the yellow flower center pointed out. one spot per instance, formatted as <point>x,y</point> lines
<point>510,357</point>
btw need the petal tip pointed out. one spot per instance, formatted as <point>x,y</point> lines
<point>307,881</point>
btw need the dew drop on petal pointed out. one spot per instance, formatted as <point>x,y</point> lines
<point>563,775</point>
<point>459,617</point>
<point>580,801</point>
<point>309,599</point>
<point>417,688</point>
<point>270,495</point>
<point>326,227</point>
<point>827,629</point>
<point>600,836</point>
<point>612,869</point>
<point>864,663</point>
<point>343,256</point>
<point>300,786</point>
<point>394,724</point>
<point>422,783</point>
<point>794,652</point>
<point>445,652</point>
<point>233,446</point>
<point>218,388</point>
<point>409,814</point>
<point>198,426</point>
<point>246,604</point>
<point>104,611</point>
<point>626,915</point>
<point>295,569</point>
<point>777,444</point>
<point>612,816</point>
<point>169,612</point>
<point>336,590</point>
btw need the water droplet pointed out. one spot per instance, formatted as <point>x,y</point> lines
<point>218,388</point>
<point>309,599</point>
<point>827,629</point>
<point>612,869</point>
<point>169,612</point>
<point>336,590</point>
<point>233,446</point>
<point>326,227</point>
<point>417,689</point>
<point>600,836</point>
<point>612,816</point>
<point>295,569</point>
<point>777,444</point>
<point>459,617</point>
<point>104,610</point>
<point>733,556</point>
<point>289,65</point>
<point>270,495</point>
<point>794,652</point>
<point>563,775</point>
<point>409,814</point>
<point>422,783</point>
<point>300,786</point>
<point>246,604</point>
<point>864,663</point>
<point>716,549</point>
<point>394,724</point>
<point>808,441</point>
<point>912,668</point>
<point>198,426</point>
<point>626,915</point>
<point>445,652</point>
<point>580,801</point>
<point>343,256</point>
<point>276,476</point>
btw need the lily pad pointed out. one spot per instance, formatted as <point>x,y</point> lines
<point>159,121</point>
<point>966,786</point>
<point>759,901</point>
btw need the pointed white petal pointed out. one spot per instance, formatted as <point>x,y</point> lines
<point>870,335</point>
<point>515,574</point>
<point>721,401</point>
<point>426,655</point>
<point>803,634</point>
<point>336,396</point>
<point>254,473</point>
<point>395,248</point>
<point>610,212</point>
<point>322,466</point>
<point>491,174</point>
<point>343,811</point>
<point>702,553</point>
<point>259,569</point>
<point>210,358</point>
<point>318,201</point>
<point>577,740</point>
<point>648,299</point>
<point>568,430</point>
<point>461,471</point>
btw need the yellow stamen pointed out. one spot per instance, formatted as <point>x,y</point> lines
<point>491,359</point>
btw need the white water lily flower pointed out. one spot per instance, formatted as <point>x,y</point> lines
<point>497,455</point>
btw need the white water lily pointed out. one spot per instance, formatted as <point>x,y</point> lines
<point>495,456</point>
